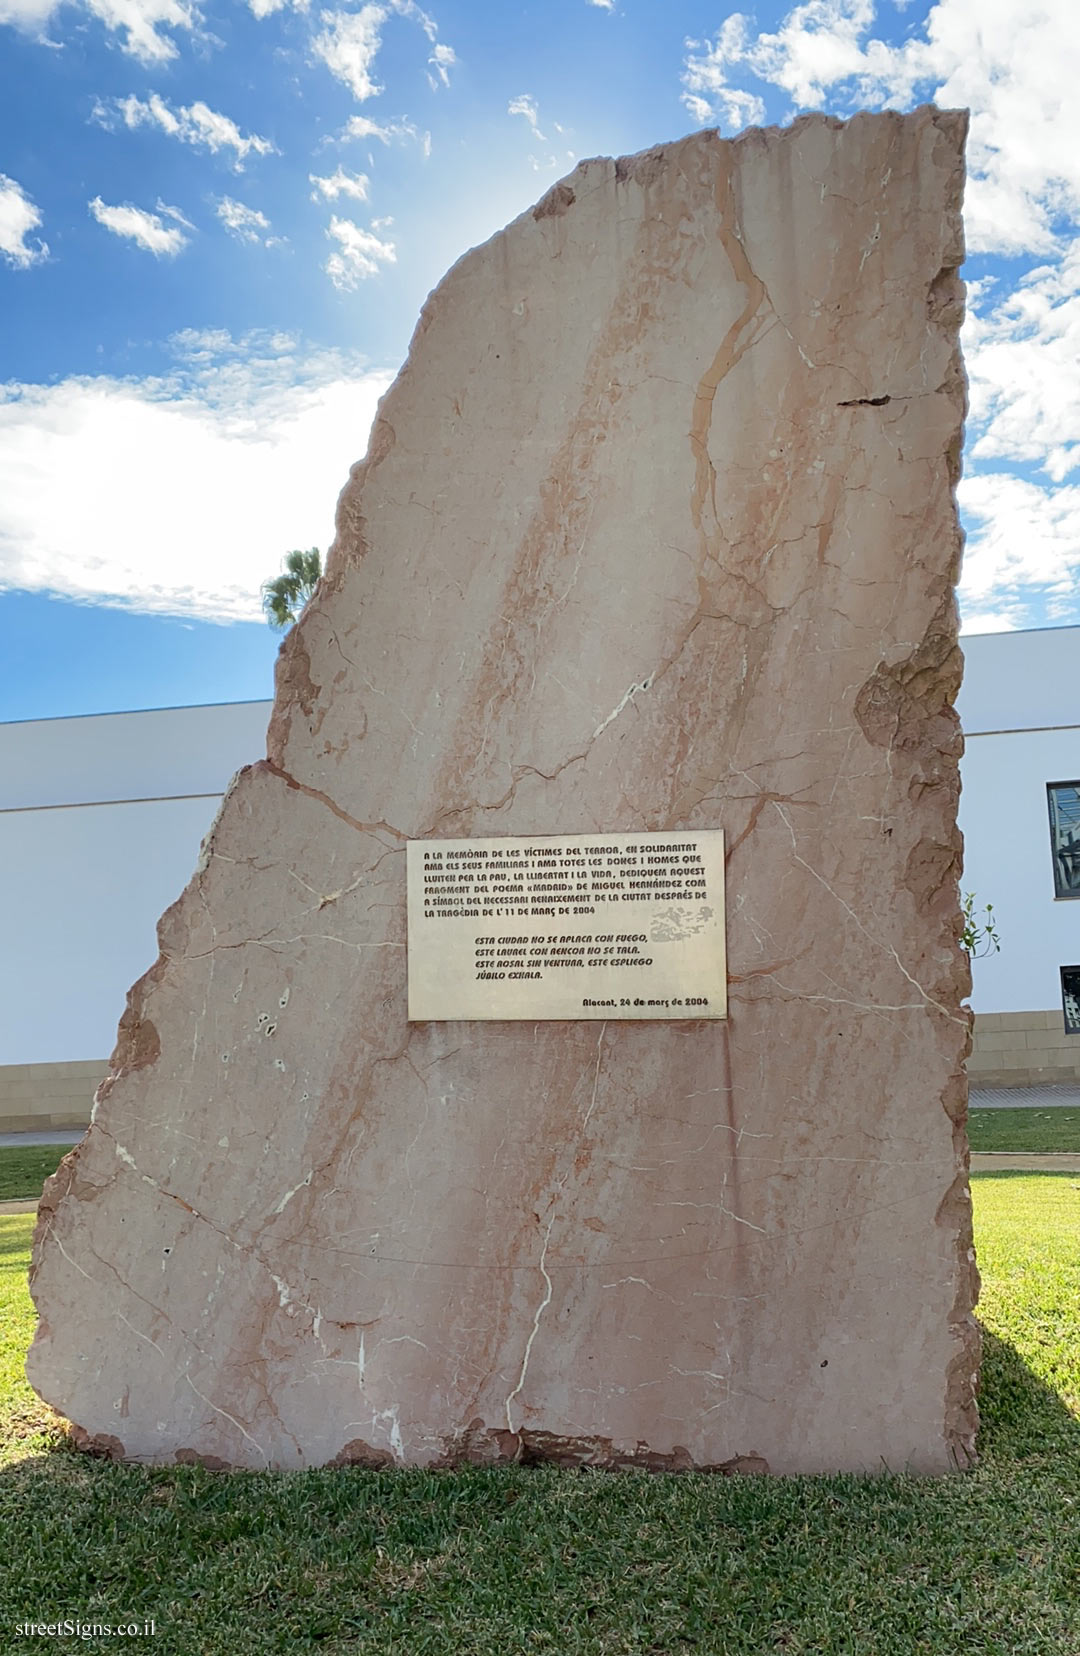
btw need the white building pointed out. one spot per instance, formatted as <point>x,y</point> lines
<point>1020,810</point>
<point>100,824</point>
<point>101,819</point>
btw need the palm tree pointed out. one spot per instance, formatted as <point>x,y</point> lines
<point>285,597</point>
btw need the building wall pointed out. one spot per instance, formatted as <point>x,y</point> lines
<point>47,1097</point>
<point>101,820</point>
<point>166,753</point>
<point>83,887</point>
<point>1023,1049</point>
<point>1020,708</point>
<point>1008,862</point>
<point>1020,680</point>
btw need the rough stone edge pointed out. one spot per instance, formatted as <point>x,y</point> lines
<point>945,310</point>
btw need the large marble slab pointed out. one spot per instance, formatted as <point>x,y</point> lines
<point>655,534</point>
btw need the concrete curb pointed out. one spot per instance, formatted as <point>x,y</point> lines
<point>997,1161</point>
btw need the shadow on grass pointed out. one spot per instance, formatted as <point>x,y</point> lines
<point>1020,1416</point>
<point>13,1246</point>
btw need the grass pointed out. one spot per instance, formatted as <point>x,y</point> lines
<point>1057,1128</point>
<point>24,1169</point>
<point>481,1562</point>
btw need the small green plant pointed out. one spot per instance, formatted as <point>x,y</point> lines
<point>979,936</point>
<point>285,596</point>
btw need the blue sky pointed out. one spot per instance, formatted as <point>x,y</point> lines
<point>219,219</point>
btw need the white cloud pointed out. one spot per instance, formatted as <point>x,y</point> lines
<point>1016,67</point>
<point>196,124</point>
<point>348,46</point>
<point>138,22</point>
<point>709,95</point>
<point>29,16</point>
<point>1023,551</point>
<point>143,228</point>
<point>1023,362</point>
<point>359,126</point>
<point>339,183</point>
<point>18,217</point>
<point>350,40</point>
<point>605,5</point>
<point>700,108</point>
<point>409,8</point>
<point>442,61</point>
<point>268,435</point>
<point>527,106</point>
<point>245,223</point>
<point>359,255</point>
<point>989,621</point>
<point>200,344</point>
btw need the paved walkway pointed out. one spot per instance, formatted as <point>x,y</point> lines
<point>1024,1098</point>
<point>14,1141</point>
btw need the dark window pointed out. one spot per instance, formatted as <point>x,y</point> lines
<point>1070,998</point>
<point>1064,800</point>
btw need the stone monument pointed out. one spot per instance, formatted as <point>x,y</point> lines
<point>442,1128</point>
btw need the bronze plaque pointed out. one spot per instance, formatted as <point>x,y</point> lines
<point>567,926</point>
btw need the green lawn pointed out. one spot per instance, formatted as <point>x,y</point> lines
<point>24,1170</point>
<point>1057,1128</point>
<point>492,1563</point>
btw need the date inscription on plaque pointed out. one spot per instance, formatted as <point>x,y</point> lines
<point>567,926</point>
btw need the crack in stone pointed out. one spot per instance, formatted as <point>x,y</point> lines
<point>634,690</point>
<point>271,768</point>
<point>224,1413</point>
<point>541,1308</point>
<point>877,941</point>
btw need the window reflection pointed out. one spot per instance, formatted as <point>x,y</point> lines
<point>1064,798</point>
